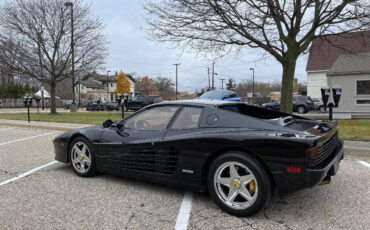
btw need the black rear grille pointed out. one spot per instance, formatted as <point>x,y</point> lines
<point>301,125</point>
<point>319,156</point>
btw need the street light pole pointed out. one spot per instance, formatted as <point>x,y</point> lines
<point>108,85</point>
<point>222,80</point>
<point>177,64</point>
<point>213,75</point>
<point>73,106</point>
<point>252,84</point>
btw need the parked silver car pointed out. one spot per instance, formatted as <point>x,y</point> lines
<point>318,104</point>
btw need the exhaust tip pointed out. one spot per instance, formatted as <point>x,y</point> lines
<point>325,181</point>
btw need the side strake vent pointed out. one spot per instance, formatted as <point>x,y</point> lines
<point>147,161</point>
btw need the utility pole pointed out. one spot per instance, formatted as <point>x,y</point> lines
<point>209,80</point>
<point>213,75</point>
<point>222,82</point>
<point>252,84</point>
<point>177,64</point>
<point>108,71</point>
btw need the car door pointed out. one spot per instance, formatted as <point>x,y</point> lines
<point>133,149</point>
<point>179,141</point>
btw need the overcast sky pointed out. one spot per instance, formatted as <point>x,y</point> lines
<point>130,51</point>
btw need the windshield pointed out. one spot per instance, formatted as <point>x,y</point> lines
<point>212,94</point>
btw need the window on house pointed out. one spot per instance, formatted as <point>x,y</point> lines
<point>363,102</point>
<point>363,87</point>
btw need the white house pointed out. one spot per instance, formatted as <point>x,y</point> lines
<point>95,86</point>
<point>340,59</point>
<point>324,53</point>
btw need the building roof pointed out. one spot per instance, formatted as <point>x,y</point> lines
<point>90,84</point>
<point>326,49</point>
<point>351,64</point>
<point>105,78</point>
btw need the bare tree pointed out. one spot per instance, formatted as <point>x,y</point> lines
<point>284,29</point>
<point>165,87</point>
<point>41,40</point>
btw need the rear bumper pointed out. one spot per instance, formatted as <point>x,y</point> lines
<point>316,176</point>
<point>289,182</point>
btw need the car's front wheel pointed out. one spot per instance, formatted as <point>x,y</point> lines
<point>239,184</point>
<point>82,157</point>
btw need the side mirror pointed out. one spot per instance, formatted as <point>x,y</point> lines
<point>107,123</point>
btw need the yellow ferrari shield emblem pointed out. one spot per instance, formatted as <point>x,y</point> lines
<point>235,185</point>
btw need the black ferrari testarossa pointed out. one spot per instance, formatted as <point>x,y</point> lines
<point>239,153</point>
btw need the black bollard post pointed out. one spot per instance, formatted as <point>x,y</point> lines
<point>28,111</point>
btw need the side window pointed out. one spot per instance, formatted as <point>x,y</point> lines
<point>153,119</point>
<point>233,95</point>
<point>188,118</point>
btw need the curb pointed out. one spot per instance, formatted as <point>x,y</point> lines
<point>55,128</point>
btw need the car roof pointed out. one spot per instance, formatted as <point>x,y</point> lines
<point>212,103</point>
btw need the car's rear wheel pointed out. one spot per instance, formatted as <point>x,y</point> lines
<point>301,109</point>
<point>239,184</point>
<point>322,109</point>
<point>82,157</point>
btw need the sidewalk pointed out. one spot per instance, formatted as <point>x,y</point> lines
<point>34,110</point>
<point>43,125</point>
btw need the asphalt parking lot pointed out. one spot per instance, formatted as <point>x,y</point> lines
<point>52,197</point>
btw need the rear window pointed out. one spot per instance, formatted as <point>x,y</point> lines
<point>212,94</point>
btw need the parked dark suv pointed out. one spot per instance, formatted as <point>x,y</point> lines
<point>95,106</point>
<point>141,101</point>
<point>301,104</point>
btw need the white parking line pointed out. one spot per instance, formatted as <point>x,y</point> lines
<point>23,139</point>
<point>27,173</point>
<point>364,163</point>
<point>184,213</point>
<point>3,129</point>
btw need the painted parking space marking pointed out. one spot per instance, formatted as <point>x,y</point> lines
<point>24,139</point>
<point>364,163</point>
<point>184,213</point>
<point>27,173</point>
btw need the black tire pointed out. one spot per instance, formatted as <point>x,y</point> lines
<point>322,109</point>
<point>262,179</point>
<point>92,169</point>
<point>301,109</point>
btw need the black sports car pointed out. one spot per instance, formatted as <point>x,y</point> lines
<point>239,153</point>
